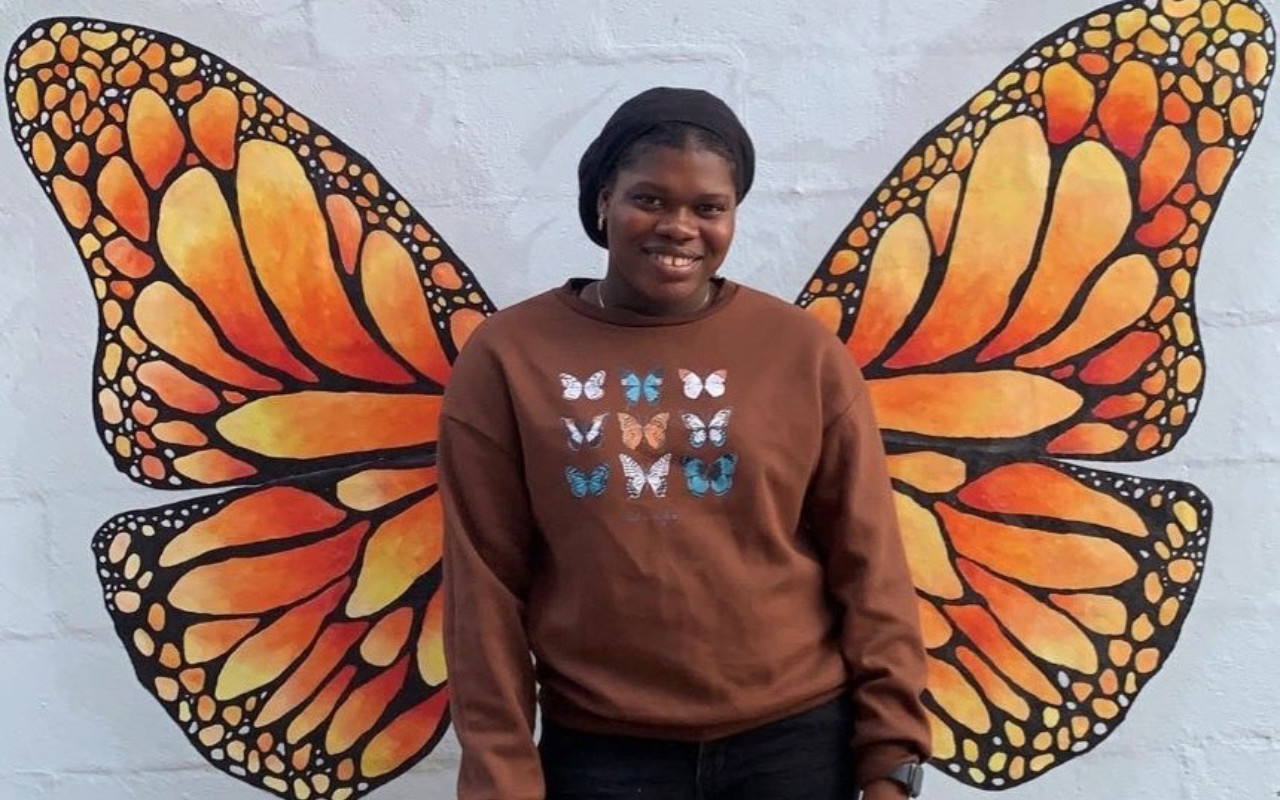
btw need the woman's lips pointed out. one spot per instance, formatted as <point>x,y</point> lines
<point>672,263</point>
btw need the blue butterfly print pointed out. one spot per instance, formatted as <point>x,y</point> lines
<point>717,479</point>
<point>634,387</point>
<point>587,484</point>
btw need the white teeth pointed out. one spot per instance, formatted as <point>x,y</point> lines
<point>678,262</point>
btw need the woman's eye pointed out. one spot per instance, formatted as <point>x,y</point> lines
<point>646,201</point>
<point>712,210</point>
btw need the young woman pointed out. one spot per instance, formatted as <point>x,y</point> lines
<point>671,491</point>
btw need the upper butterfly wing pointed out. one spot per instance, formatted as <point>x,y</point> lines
<point>1037,250</point>
<point>268,304</point>
<point>1021,287</point>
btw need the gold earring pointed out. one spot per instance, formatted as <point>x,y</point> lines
<point>600,222</point>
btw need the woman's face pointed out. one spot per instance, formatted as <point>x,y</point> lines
<point>669,218</point>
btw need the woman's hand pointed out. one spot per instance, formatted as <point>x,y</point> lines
<point>884,790</point>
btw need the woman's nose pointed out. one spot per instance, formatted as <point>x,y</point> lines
<point>678,223</point>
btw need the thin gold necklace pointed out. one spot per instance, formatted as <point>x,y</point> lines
<point>706,300</point>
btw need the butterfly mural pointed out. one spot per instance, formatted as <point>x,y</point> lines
<point>277,323</point>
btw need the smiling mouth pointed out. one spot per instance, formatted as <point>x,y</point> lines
<point>673,260</point>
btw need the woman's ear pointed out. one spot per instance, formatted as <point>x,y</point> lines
<point>602,208</point>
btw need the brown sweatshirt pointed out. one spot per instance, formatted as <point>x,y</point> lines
<point>688,523</point>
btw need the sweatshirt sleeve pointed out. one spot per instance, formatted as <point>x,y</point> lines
<point>852,518</point>
<point>488,543</point>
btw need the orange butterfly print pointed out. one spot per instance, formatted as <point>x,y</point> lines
<point>652,433</point>
<point>275,317</point>
<point>1019,290</point>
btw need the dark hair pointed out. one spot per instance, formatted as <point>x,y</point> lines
<point>677,136</point>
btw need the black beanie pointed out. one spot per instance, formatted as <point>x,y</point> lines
<point>640,114</point>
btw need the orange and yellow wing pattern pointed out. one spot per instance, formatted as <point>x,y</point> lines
<point>1049,594</point>
<point>1042,242</point>
<point>1021,288</point>
<point>272,313</point>
<point>268,303</point>
<point>292,631</point>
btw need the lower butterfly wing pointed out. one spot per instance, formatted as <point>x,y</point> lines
<point>1036,251</point>
<point>1049,595</point>
<point>292,631</point>
<point>268,304</point>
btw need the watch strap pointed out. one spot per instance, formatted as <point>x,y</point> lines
<point>910,776</point>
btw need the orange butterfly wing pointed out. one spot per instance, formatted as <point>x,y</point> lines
<point>1021,286</point>
<point>256,279</point>
<point>292,631</point>
<point>1049,594</point>
<point>271,312</point>
<point>1043,241</point>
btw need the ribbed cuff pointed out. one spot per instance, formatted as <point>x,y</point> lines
<point>877,761</point>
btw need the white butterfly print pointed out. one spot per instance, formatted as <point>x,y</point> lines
<point>717,430</point>
<point>713,384</point>
<point>637,476</point>
<point>592,388</point>
<point>591,437</point>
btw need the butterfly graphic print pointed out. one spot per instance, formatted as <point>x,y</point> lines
<point>276,325</point>
<point>638,476</point>
<point>590,436</point>
<point>591,483</point>
<point>694,386</point>
<point>636,388</point>
<point>714,430</point>
<point>591,389</point>
<point>652,433</point>
<point>716,477</point>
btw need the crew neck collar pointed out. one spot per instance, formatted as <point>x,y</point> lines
<point>570,295</point>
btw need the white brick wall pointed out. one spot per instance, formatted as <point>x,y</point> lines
<point>477,112</point>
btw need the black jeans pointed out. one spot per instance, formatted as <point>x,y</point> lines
<point>803,757</point>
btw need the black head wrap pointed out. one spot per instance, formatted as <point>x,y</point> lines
<point>640,114</point>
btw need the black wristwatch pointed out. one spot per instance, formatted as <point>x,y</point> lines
<point>910,776</point>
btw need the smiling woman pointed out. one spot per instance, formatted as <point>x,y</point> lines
<point>760,614</point>
<point>276,326</point>
<point>669,217</point>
